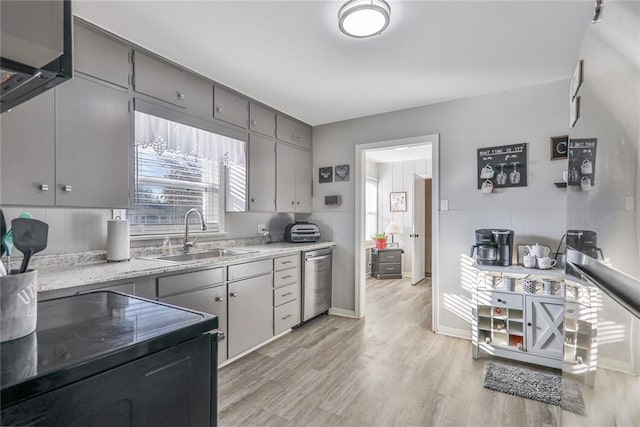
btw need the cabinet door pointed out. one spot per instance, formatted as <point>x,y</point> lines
<point>210,300</point>
<point>250,313</point>
<point>285,178</point>
<point>27,144</point>
<point>230,108</point>
<point>93,166</point>
<point>293,132</point>
<point>262,174</point>
<point>544,324</point>
<point>100,57</point>
<point>159,80</point>
<point>303,181</point>
<point>262,120</point>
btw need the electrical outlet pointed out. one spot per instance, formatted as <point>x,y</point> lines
<point>444,205</point>
<point>260,228</point>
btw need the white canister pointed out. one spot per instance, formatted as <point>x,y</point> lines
<point>118,240</point>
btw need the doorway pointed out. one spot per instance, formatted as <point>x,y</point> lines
<point>405,177</point>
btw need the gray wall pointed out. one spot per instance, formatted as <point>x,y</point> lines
<point>536,213</point>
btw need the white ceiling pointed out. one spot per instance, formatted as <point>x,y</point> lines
<point>388,155</point>
<point>292,56</point>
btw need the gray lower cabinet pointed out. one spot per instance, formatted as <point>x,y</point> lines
<point>544,318</point>
<point>250,313</point>
<point>230,108</point>
<point>293,132</point>
<point>262,174</point>
<point>27,169</point>
<point>211,300</point>
<point>286,293</point>
<point>293,179</point>
<point>262,120</point>
<point>101,57</point>
<point>93,145</point>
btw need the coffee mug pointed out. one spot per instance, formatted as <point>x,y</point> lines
<point>487,187</point>
<point>529,285</point>
<point>529,261</point>
<point>486,172</point>
<point>546,263</point>
<point>509,283</point>
<point>585,183</point>
<point>586,167</point>
<point>548,286</point>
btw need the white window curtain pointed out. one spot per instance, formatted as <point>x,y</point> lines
<point>371,208</point>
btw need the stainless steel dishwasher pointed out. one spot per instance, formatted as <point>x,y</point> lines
<point>317,274</point>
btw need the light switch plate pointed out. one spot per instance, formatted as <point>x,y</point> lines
<point>444,205</point>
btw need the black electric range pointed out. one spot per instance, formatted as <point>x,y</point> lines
<point>82,335</point>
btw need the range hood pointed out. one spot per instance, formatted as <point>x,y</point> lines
<point>35,48</point>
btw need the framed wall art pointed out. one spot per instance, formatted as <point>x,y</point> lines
<point>325,175</point>
<point>502,166</point>
<point>398,201</point>
<point>342,173</point>
<point>577,80</point>
<point>559,147</point>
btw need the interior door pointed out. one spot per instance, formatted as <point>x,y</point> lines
<point>417,237</point>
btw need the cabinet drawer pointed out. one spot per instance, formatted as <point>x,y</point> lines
<point>229,107</point>
<point>262,120</point>
<point>286,316</point>
<point>293,132</point>
<point>393,256</point>
<point>249,269</point>
<point>285,277</point>
<point>286,294</point>
<point>183,282</point>
<point>500,299</point>
<point>387,268</point>
<point>286,262</point>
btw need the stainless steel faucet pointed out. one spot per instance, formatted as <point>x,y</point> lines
<point>187,243</point>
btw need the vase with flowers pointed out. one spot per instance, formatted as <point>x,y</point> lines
<point>380,239</point>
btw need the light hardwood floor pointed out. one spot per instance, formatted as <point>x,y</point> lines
<point>387,369</point>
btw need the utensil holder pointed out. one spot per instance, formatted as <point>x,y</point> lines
<point>18,305</point>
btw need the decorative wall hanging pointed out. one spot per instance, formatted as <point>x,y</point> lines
<point>503,166</point>
<point>582,163</point>
<point>398,201</point>
<point>574,111</point>
<point>325,175</point>
<point>342,173</point>
<point>576,80</point>
<point>559,147</point>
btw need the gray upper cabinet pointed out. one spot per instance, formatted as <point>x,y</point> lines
<point>293,132</point>
<point>230,108</point>
<point>293,179</point>
<point>262,174</point>
<point>262,120</point>
<point>93,145</point>
<point>27,171</point>
<point>101,57</point>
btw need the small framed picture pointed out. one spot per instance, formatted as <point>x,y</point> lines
<point>325,175</point>
<point>559,147</point>
<point>398,201</point>
<point>576,80</point>
<point>574,112</point>
<point>342,173</point>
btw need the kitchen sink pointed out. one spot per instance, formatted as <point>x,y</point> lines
<point>214,253</point>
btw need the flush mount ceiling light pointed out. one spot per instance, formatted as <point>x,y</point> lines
<point>364,18</point>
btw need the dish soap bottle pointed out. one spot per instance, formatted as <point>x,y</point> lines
<point>166,246</point>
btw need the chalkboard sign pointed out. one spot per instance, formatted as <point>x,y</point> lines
<point>582,162</point>
<point>504,166</point>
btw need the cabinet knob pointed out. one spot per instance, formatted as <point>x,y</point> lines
<point>253,122</point>
<point>180,95</point>
<point>293,137</point>
<point>233,294</point>
<point>44,187</point>
<point>293,203</point>
<point>499,300</point>
<point>253,200</point>
<point>219,299</point>
<point>218,109</point>
<point>529,324</point>
<point>67,188</point>
<point>298,203</point>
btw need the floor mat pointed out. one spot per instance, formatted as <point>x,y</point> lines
<point>531,383</point>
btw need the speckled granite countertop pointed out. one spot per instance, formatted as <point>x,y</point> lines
<point>65,276</point>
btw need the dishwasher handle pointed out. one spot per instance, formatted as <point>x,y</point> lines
<point>316,258</point>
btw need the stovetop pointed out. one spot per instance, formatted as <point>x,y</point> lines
<point>81,335</point>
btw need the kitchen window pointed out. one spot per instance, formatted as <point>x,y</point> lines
<point>371,209</point>
<point>179,167</point>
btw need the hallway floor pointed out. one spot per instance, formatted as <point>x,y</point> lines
<point>387,369</point>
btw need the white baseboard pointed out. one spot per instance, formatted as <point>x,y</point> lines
<point>252,349</point>
<point>342,312</point>
<point>465,334</point>
<point>616,365</point>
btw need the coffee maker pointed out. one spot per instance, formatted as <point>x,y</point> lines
<point>585,241</point>
<point>493,246</point>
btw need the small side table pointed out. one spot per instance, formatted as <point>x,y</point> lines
<point>386,263</point>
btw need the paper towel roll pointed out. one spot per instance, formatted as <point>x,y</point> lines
<point>118,247</point>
